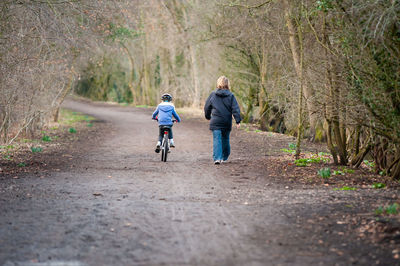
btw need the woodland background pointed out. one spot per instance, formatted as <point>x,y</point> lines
<point>326,70</point>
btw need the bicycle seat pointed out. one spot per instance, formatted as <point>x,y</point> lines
<point>166,126</point>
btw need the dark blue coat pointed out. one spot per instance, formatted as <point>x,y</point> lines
<point>219,108</point>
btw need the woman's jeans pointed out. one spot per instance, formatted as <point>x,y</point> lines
<point>221,146</point>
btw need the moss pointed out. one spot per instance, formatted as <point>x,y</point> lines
<point>319,134</point>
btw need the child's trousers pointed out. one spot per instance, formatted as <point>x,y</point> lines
<point>161,135</point>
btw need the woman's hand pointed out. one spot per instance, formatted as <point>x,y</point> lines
<point>238,126</point>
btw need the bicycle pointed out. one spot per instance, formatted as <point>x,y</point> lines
<point>165,144</point>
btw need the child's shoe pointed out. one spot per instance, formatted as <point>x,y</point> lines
<point>158,147</point>
<point>171,143</point>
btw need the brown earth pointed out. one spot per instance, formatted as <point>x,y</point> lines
<point>103,197</point>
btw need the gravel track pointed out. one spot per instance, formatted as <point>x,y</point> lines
<point>116,203</point>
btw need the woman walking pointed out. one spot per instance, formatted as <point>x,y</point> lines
<point>219,108</point>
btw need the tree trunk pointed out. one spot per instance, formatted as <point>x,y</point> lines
<point>394,169</point>
<point>296,46</point>
<point>131,74</point>
<point>333,110</point>
<point>64,94</point>
<point>250,104</point>
<point>190,46</point>
<point>146,86</point>
<point>307,91</point>
<point>331,147</point>
<point>358,159</point>
<point>263,100</point>
<point>195,78</point>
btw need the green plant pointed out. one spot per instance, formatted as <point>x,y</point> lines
<point>325,172</point>
<point>343,171</point>
<point>324,5</point>
<point>21,165</point>
<point>370,164</point>
<point>142,106</point>
<point>378,185</point>
<point>292,146</point>
<point>392,209</point>
<point>345,188</point>
<point>89,124</point>
<point>36,149</point>
<point>306,161</point>
<point>288,151</point>
<point>70,118</point>
<point>349,171</point>
<point>72,130</point>
<point>379,211</point>
<point>7,157</point>
<point>338,172</point>
<point>257,131</point>
<point>46,138</point>
<point>300,163</point>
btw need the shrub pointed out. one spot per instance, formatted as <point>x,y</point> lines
<point>392,209</point>
<point>292,146</point>
<point>378,185</point>
<point>325,172</point>
<point>36,149</point>
<point>46,138</point>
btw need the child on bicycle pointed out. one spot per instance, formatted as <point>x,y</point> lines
<point>164,113</point>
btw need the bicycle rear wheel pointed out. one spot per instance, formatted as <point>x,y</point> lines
<point>164,149</point>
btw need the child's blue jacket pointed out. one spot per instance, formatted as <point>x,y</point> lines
<point>165,111</point>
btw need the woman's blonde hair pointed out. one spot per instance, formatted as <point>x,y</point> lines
<point>223,83</point>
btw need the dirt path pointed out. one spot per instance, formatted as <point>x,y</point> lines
<point>115,203</point>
